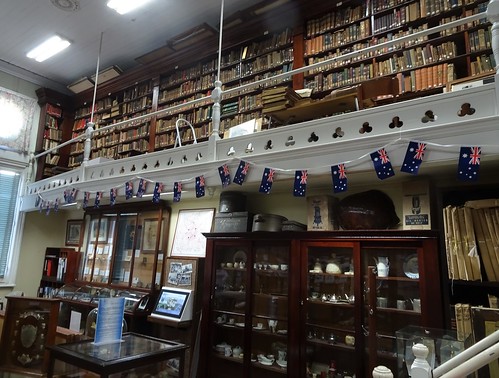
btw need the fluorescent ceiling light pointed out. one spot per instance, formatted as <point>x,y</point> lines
<point>50,47</point>
<point>125,6</point>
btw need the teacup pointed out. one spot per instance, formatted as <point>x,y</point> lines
<point>230,265</point>
<point>284,267</point>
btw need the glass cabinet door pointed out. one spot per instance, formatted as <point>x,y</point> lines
<point>229,307</point>
<point>269,312</point>
<point>330,316</point>
<point>392,298</point>
<point>124,247</point>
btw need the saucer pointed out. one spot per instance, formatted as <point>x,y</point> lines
<point>282,364</point>
<point>266,363</point>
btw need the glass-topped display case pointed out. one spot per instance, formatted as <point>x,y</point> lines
<point>136,355</point>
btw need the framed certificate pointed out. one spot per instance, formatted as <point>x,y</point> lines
<point>189,239</point>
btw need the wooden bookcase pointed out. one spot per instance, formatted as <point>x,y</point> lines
<point>60,266</point>
<point>55,116</point>
<point>293,36</point>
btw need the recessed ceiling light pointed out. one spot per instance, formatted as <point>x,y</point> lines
<point>46,49</point>
<point>125,6</point>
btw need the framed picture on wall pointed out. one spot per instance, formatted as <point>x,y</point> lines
<point>100,229</point>
<point>73,232</point>
<point>150,234</point>
<point>189,239</point>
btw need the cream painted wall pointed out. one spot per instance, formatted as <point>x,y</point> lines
<point>41,230</point>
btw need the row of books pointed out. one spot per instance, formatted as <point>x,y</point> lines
<point>328,41</point>
<point>267,61</point>
<point>51,122</point>
<point>52,159</point>
<point>471,238</point>
<point>168,139</point>
<point>53,111</point>
<point>50,143</point>
<point>275,41</point>
<point>55,267</point>
<point>398,17</point>
<point>141,145</point>
<point>483,64</point>
<point>480,39</point>
<point>462,313</point>
<point>426,78</point>
<point>53,134</point>
<point>280,98</point>
<point>169,93</point>
<point>339,18</point>
<point>418,57</point>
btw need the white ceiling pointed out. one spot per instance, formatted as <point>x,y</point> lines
<point>25,23</point>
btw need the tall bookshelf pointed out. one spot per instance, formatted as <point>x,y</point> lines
<point>422,66</point>
<point>55,117</point>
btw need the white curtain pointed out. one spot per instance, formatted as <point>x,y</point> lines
<point>16,120</point>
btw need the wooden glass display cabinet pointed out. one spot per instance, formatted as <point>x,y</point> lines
<point>123,254</point>
<point>314,303</point>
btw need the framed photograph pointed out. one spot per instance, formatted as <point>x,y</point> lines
<point>149,235</point>
<point>189,239</point>
<point>181,272</point>
<point>98,229</point>
<point>73,232</point>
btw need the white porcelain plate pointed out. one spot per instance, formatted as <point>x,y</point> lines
<point>411,268</point>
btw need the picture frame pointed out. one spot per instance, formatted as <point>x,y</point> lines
<point>149,235</point>
<point>188,239</point>
<point>73,232</point>
<point>100,229</point>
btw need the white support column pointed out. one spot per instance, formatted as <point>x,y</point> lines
<point>493,16</point>
<point>87,147</point>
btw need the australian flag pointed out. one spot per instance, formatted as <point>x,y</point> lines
<point>224,173</point>
<point>128,190</point>
<point>199,186</point>
<point>267,180</point>
<point>177,191</point>
<point>86,197</point>
<point>56,205</point>
<point>413,157</point>
<point>382,164</point>
<point>98,197</point>
<point>142,188</point>
<point>300,186</point>
<point>469,163</point>
<point>113,193</point>
<point>339,175</point>
<point>241,172</point>
<point>158,188</point>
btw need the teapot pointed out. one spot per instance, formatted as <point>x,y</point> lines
<point>333,266</point>
<point>382,266</point>
<point>236,352</point>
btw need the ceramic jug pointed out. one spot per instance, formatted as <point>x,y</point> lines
<point>382,266</point>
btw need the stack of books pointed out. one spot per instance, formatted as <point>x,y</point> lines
<point>280,98</point>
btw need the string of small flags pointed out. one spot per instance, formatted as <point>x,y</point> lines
<point>468,170</point>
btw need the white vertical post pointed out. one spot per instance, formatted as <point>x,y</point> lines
<point>87,146</point>
<point>420,368</point>
<point>493,16</point>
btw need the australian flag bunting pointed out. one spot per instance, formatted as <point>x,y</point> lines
<point>98,197</point>
<point>267,180</point>
<point>339,174</point>
<point>158,188</point>
<point>142,188</point>
<point>241,173</point>
<point>199,186</point>
<point>413,157</point>
<point>469,163</point>
<point>56,205</point>
<point>47,209</point>
<point>86,197</point>
<point>300,186</point>
<point>224,173</point>
<point>382,164</point>
<point>42,205</point>
<point>37,200</point>
<point>177,191</point>
<point>113,193</point>
<point>128,190</point>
